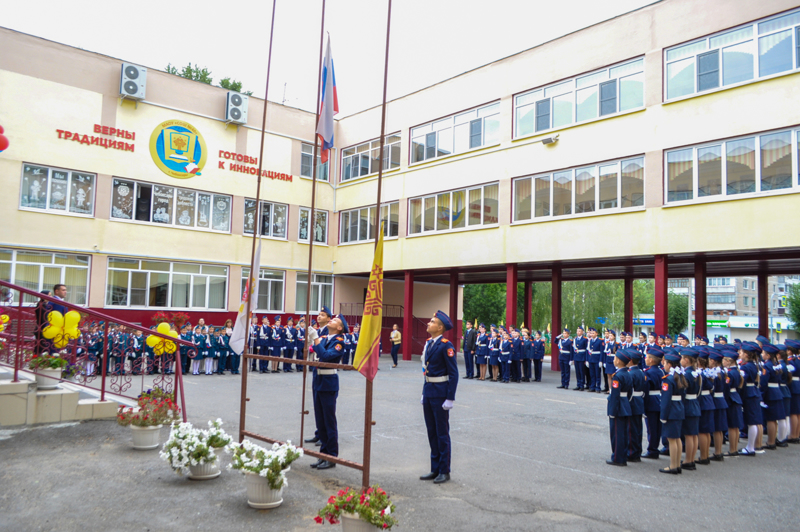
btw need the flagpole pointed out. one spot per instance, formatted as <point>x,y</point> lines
<point>303,411</point>
<point>256,234</point>
<point>368,399</point>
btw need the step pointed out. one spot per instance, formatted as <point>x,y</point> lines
<point>22,403</point>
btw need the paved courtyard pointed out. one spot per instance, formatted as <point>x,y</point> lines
<point>525,457</point>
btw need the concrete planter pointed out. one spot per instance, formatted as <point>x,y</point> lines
<point>259,494</point>
<point>48,379</point>
<point>146,438</point>
<point>205,471</point>
<point>353,523</point>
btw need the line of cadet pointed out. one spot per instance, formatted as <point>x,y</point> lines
<point>694,396</point>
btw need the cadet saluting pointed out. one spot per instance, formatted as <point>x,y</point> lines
<point>438,394</point>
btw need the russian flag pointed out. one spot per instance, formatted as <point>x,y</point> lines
<point>329,105</point>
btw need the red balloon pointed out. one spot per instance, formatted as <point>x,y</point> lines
<point>1,130</point>
<point>3,143</point>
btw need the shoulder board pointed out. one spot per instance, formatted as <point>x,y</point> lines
<point>340,338</point>
<point>665,376</point>
<point>445,340</point>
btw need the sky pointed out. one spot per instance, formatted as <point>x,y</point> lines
<point>431,40</point>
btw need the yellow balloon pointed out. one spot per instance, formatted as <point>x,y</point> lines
<point>73,333</point>
<point>4,318</point>
<point>163,328</point>
<point>170,347</point>
<point>60,342</point>
<point>174,334</point>
<point>152,340</point>
<point>56,319</point>
<point>72,319</point>
<point>50,331</point>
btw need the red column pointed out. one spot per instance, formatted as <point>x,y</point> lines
<point>527,310</point>
<point>763,305</point>
<point>408,314</point>
<point>629,305</point>
<point>661,299</point>
<point>555,325</point>
<point>453,312</point>
<point>700,311</point>
<point>511,294</point>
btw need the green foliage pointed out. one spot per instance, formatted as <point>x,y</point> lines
<point>233,85</point>
<point>484,302</point>
<point>678,313</point>
<point>793,305</point>
<point>203,75</point>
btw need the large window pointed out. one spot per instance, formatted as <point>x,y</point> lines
<point>719,281</point>
<point>164,205</point>
<point>320,228</point>
<point>608,91</point>
<point>721,298</point>
<point>358,225</point>
<point>36,270</point>
<point>362,160</point>
<point>321,292</point>
<point>56,190</point>
<point>305,163</point>
<point>754,164</point>
<point>457,209</point>
<point>456,134</point>
<point>274,218</point>
<point>156,284</point>
<point>746,53</point>
<point>270,289</point>
<point>589,189</point>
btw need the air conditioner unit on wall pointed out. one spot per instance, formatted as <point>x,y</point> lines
<point>236,109</point>
<point>133,81</point>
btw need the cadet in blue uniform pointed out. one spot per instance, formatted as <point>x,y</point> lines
<point>619,409</point>
<point>707,408</point>
<point>716,373</point>
<point>254,342</point>
<point>438,394</point>
<point>538,356</point>
<point>636,398</point>
<point>595,347</point>
<point>505,357</point>
<point>793,367</point>
<point>300,342</point>
<point>609,349</point>
<point>494,355</point>
<point>771,393</point>
<point>516,356</point>
<point>673,387</point>
<point>482,351</point>
<point>733,397</point>
<point>691,406</point>
<point>652,399</point>
<point>783,425</point>
<point>527,354</point>
<point>565,357</point>
<point>751,400</point>
<point>264,341</point>
<point>580,346</point>
<point>223,348</point>
<point>290,333</point>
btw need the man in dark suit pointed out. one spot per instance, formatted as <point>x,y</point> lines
<point>468,346</point>
<point>59,291</point>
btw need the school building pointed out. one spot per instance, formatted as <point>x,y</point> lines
<point>659,144</point>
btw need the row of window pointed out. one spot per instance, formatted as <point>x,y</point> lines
<point>458,209</point>
<point>363,160</point>
<point>456,134</point>
<point>358,225</point>
<point>753,164</point>
<point>135,283</point>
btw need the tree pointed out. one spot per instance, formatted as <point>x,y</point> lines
<point>484,302</point>
<point>203,75</point>
<point>678,310</point>
<point>233,85</point>
<point>793,305</point>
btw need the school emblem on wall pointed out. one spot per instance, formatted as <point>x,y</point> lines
<point>178,149</point>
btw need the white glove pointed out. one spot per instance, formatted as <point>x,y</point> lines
<point>448,404</point>
<point>790,368</point>
<point>312,335</point>
<point>764,405</point>
<point>741,373</point>
<point>422,399</point>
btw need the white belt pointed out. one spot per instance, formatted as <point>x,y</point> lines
<point>563,351</point>
<point>733,390</point>
<point>716,395</point>
<point>750,384</point>
<point>773,385</point>
<point>637,394</point>
<point>655,392</point>
<point>581,350</point>
<point>481,345</point>
<point>445,378</point>
<point>596,352</point>
<point>676,397</point>
<point>505,352</point>
<point>326,372</point>
<point>701,393</point>
<point>692,397</point>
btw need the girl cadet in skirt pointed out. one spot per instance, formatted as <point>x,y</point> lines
<point>691,406</point>
<point>494,355</point>
<point>673,388</point>
<point>733,384</point>
<point>751,402</point>
<point>771,393</point>
<point>720,404</point>
<point>482,351</point>
<point>783,427</point>
<point>793,365</point>
<point>706,401</point>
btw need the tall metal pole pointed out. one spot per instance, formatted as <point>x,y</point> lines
<point>368,399</point>
<point>303,411</point>
<point>256,231</point>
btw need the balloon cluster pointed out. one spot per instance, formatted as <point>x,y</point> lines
<point>160,345</point>
<point>3,140</point>
<point>62,327</point>
<point>3,320</point>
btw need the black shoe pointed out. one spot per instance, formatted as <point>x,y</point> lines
<point>717,458</point>
<point>326,465</point>
<point>442,478</point>
<point>735,453</point>
<point>793,440</point>
<point>689,466</point>
<point>559,387</point>
<point>318,444</point>
<point>707,461</point>
<point>782,444</point>
<point>315,439</point>
<point>577,389</point>
<point>612,462</point>
<point>317,463</point>
<point>670,471</point>
<point>745,452</point>
<point>429,476</point>
<point>770,447</point>
<point>652,456</point>
<point>634,459</point>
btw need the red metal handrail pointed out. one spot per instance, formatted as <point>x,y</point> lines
<point>22,339</point>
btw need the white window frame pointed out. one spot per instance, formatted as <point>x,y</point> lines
<point>317,212</point>
<point>386,211</point>
<point>704,45</point>
<point>171,272</point>
<point>174,221</point>
<point>268,281</point>
<point>315,282</point>
<point>271,223</point>
<point>724,196</point>
<point>571,86</point>
<point>367,149</point>
<point>14,262</point>
<point>48,209</point>
<point>307,151</point>
<point>435,127</point>
<point>573,190</point>
<point>467,226</point>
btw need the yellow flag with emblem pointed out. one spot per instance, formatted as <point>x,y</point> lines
<point>366,358</point>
